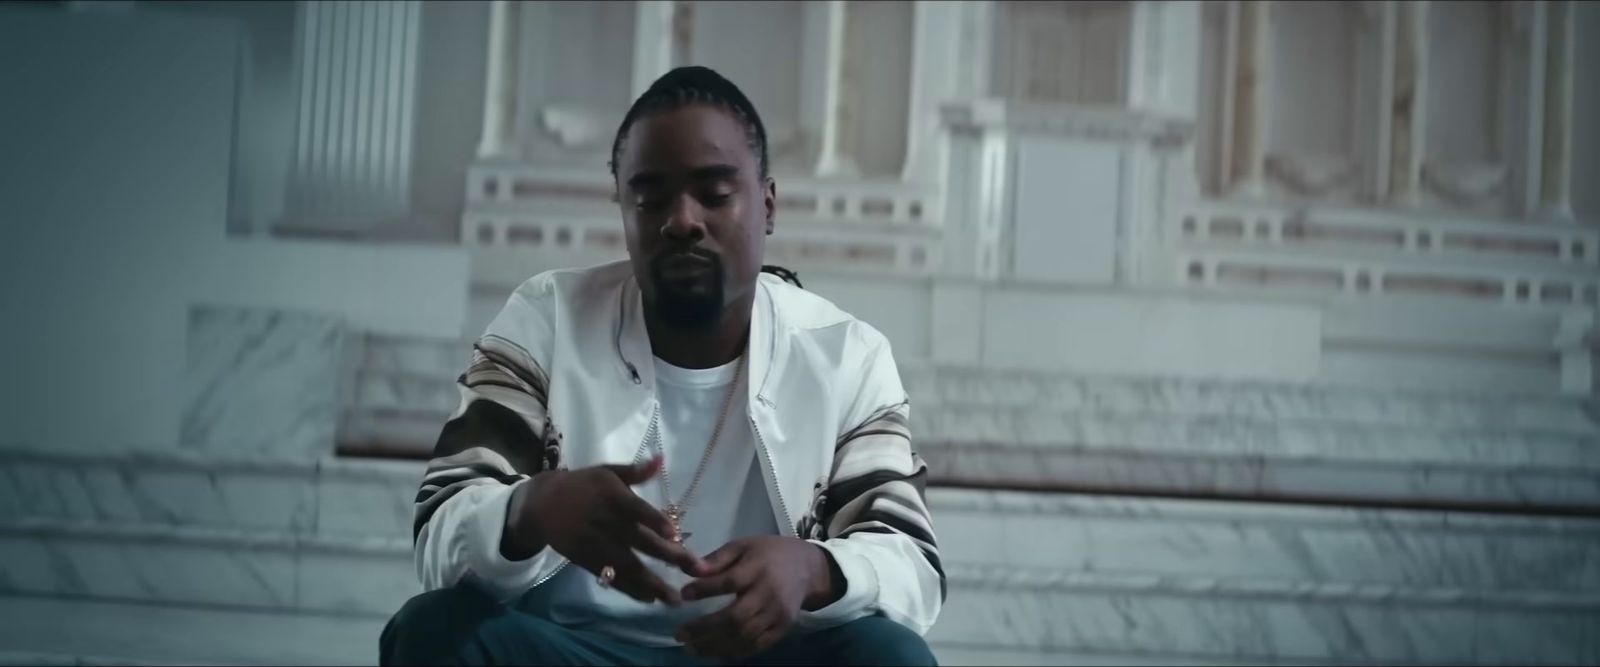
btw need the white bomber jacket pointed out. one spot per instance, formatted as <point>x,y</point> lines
<point>563,378</point>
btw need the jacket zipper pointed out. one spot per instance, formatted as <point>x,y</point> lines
<point>655,419</point>
<point>772,475</point>
<point>553,573</point>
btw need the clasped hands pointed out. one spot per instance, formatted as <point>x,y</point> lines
<point>592,518</point>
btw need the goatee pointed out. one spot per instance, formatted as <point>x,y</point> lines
<point>690,307</point>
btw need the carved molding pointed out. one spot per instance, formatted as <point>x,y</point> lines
<point>1070,120</point>
<point>1465,184</point>
<point>1312,175</point>
<point>571,127</point>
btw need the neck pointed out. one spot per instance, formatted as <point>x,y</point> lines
<point>706,347</point>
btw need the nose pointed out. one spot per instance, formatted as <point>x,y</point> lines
<point>685,221</point>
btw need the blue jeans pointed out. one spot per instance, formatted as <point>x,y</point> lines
<point>464,626</point>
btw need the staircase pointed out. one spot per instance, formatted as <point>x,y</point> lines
<point>1083,521</point>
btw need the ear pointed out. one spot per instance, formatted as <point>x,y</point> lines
<point>769,198</point>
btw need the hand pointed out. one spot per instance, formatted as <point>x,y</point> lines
<point>773,578</point>
<point>594,520</point>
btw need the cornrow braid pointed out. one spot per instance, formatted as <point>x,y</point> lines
<point>695,84</point>
<point>788,276</point>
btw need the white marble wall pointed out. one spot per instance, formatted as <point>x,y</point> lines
<point>262,383</point>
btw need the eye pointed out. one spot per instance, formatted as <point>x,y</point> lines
<point>715,200</point>
<point>651,205</point>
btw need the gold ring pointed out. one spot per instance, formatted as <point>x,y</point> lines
<point>607,573</point>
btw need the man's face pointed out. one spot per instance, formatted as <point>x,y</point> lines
<point>695,210</point>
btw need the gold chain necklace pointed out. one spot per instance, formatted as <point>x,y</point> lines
<point>675,510</point>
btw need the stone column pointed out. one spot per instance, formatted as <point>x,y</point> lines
<point>1555,195</point>
<point>1408,123</point>
<point>500,81</point>
<point>822,85</point>
<point>357,66</point>
<point>1251,75</point>
<point>653,41</point>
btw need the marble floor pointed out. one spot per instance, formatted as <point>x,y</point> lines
<point>45,630</point>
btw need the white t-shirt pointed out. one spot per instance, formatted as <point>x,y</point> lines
<point>731,502</point>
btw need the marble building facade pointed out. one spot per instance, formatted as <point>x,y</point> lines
<point>1240,332</point>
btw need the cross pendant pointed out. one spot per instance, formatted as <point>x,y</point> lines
<point>674,515</point>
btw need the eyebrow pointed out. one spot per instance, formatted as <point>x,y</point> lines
<point>713,172</point>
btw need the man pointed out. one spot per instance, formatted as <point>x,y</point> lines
<point>676,459</point>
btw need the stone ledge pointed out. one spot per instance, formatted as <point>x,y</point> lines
<point>329,497</point>
<point>253,558</point>
<point>53,630</point>
<point>1131,470</point>
<point>1083,506</point>
<point>410,376</point>
<point>1260,629</point>
<point>1154,433</point>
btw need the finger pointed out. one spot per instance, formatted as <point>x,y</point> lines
<point>637,473</point>
<point>635,580</point>
<point>656,546</point>
<point>700,630</point>
<point>738,639</point>
<point>730,620</point>
<point>722,558</point>
<point>750,641</point>
<point>714,646</point>
<point>646,587</point>
<point>769,638</point>
<point>744,641</point>
<point>730,581</point>
<point>634,510</point>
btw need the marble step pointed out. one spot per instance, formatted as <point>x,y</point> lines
<point>1184,580</point>
<point>1203,456</point>
<point>997,607</point>
<point>1459,410</point>
<point>78,632</point>
<point>1573,443</point>
<point>424,406</point>
<point>1043,611</point>
<point>417,375</point>
<point>369,502</point>
<point>67,631</point>
<point>366,502</point>
<point>1234,476</point>
<point>1267,542</point>
<point>336,498</point>
<point>369,499</point>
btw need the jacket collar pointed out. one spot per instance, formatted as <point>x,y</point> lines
<point>766,346</point>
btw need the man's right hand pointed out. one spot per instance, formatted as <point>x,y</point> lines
<point>592,517</point>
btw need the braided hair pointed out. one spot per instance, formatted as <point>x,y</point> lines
<point>694,84</point>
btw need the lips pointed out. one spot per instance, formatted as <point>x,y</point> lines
<point>681,266</point>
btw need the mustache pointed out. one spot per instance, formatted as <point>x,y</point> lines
<point>690,252</point>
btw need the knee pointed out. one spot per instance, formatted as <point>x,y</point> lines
<point>429,628</point>
<point>876,640</point>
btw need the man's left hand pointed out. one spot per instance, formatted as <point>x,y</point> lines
<point>772,578</point>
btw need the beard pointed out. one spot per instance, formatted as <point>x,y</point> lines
<point>689,304</point>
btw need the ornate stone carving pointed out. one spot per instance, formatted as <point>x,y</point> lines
<point>1082,121</point>
<point>571,127</point>
<point>1312,175</point>
<point>1467,184</point>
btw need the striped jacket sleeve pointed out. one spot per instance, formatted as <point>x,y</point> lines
<point>872,515</point>
<point>499,436</point>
